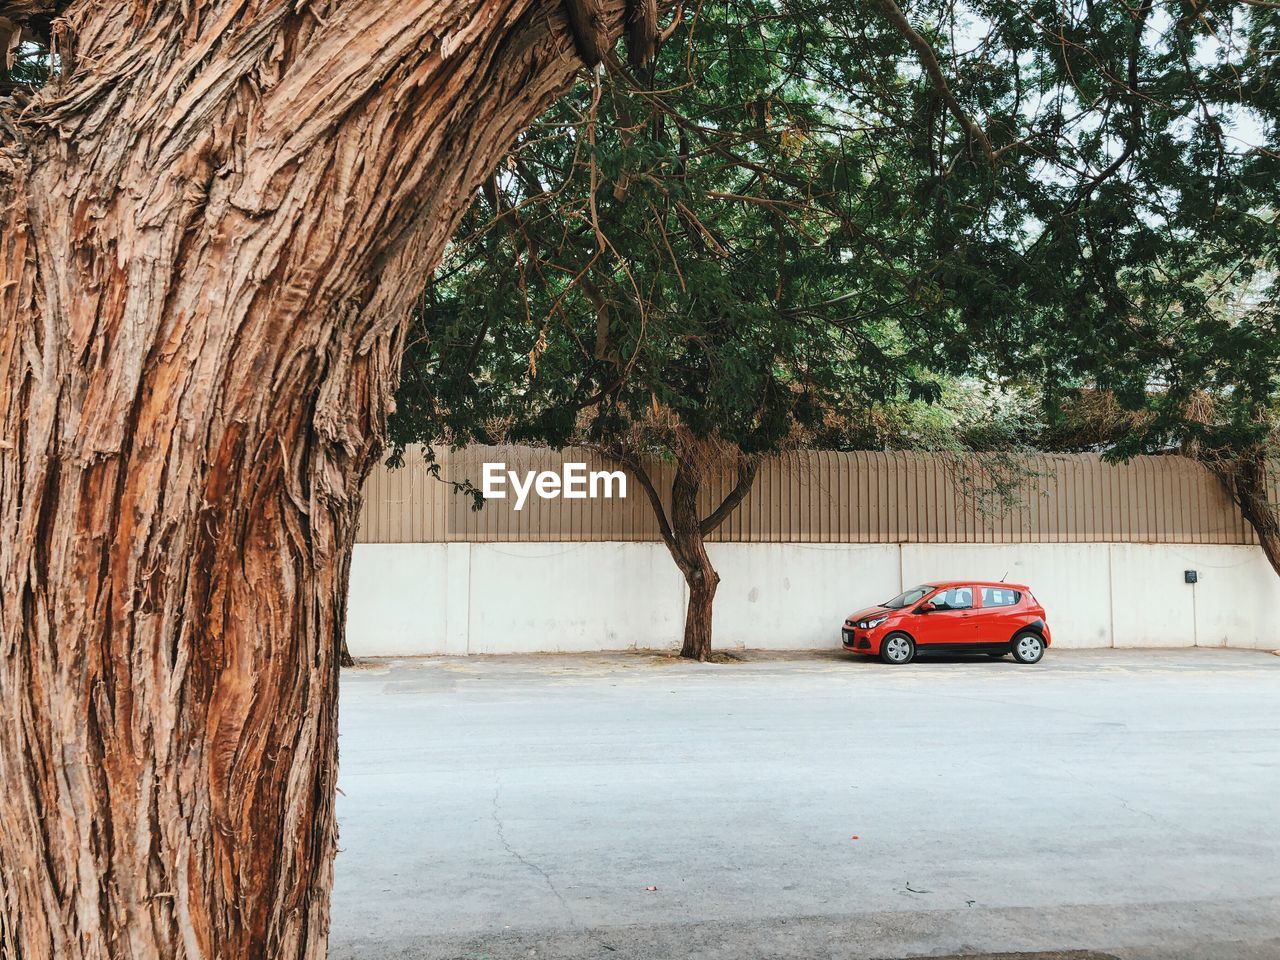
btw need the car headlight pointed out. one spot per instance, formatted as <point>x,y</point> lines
<point>871,624</point>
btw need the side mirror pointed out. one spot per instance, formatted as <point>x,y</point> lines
<point>927,607</point>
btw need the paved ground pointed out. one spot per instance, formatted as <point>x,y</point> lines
<point>1117,802</point>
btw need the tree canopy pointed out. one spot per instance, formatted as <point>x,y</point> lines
<point>801,213</point>
<point>1014,191</point>
<point>719,238</point>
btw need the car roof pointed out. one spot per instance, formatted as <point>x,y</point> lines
<point>948,584</point>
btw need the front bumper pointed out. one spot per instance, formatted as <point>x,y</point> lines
<point>856,641</point>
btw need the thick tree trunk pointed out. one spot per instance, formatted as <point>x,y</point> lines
<point>698,614</point>
<point>690,553</point>
<point>1249,481</point>
<point>684,532</point>
<point>213,227</point>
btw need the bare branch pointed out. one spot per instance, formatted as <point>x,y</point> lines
<point>746,477</point>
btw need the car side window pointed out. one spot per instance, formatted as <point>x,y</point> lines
<point>957,598</point>
<point>999,597</point>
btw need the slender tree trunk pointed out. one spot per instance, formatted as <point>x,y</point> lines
<point>213,226</point>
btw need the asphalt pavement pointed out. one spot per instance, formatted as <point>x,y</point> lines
<point>1123,804</point>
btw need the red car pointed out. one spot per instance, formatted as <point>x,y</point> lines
<point>953,616</point>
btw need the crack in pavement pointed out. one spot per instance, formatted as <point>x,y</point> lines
<point>546,877</point>
<point>1158,821</point>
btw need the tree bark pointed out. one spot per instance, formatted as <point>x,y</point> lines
<point>214,223</point>
<point>696,644</point>
<point>1249,482</point>
<point>684,533</point>
<point>690,553</point>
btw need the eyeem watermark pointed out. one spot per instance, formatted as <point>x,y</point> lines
<point>575,483</point>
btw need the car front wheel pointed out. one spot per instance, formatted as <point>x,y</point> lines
<point>898,649</point>
<point>1028,647</point>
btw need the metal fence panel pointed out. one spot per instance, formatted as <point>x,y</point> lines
<point>829,497</point>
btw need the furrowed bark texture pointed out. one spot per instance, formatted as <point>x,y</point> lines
<point>690,553</point>
<point>687,541</point>
<point>684,531</point>
<point>1249,482</point>
<point>213,226</point>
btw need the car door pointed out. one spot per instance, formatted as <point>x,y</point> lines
<point>949,622</point>
<point>995,619</point>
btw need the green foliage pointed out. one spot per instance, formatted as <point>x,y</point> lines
<point>30,66</point>
<point>1133,246</point>
<point>724,243</point>
<point>789,228</point>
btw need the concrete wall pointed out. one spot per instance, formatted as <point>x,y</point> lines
<point>461,598</point>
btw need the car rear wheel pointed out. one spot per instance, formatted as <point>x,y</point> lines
<point>1028,647</point>
<point>897,648</point>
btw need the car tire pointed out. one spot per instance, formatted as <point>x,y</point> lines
<point>897,649</point>
<point>1028,647</point>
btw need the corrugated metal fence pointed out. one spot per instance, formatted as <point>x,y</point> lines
<point>829,497</point>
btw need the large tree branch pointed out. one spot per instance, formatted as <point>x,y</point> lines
<point>929,62</point>
<point>589,23</point>
<point>1248,480</point>
<point>590,28</point>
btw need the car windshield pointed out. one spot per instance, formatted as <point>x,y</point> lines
<point>914,595</point>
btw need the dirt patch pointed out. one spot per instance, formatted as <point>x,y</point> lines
<point>716,657</point>
<point>726,658</point>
